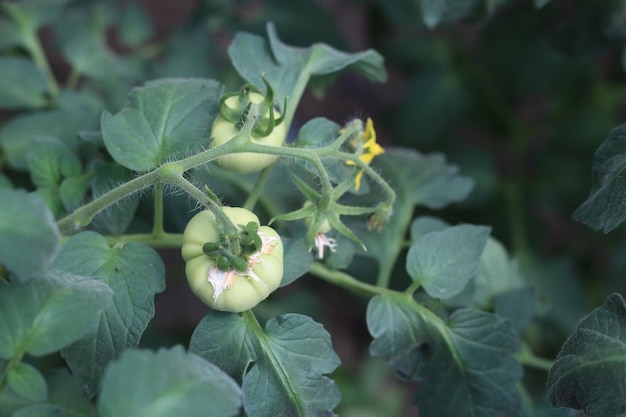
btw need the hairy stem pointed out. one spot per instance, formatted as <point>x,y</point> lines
<point>227,226</point>
<point>346,281</point>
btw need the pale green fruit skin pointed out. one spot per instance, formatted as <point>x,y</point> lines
<point>324,228</point>
<point>245,293</point>
<point>245,163</point>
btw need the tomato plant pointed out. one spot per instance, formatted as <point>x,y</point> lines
<point>205,219</point>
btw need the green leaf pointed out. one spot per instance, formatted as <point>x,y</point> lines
<point>605,208</point>
<point>588,374</point>
<point>297,260</point>
<point>424,225</point>
<point>22,84</point>
<point>26,381</point>
<point>72,192</point>
<point>288,68</point>
<point>317,133</point>
<point>30,237</point>
<point>425,180</point>
<point>497,274</point>
<point>166,383</point>
<point>465,364</point>
<point>50,194</point>
<point>498,278</point>
<point>90,56</point>
<point>66,393</point>
<point>135,27</point>
<point>113,220</point>
<point>162,121</point>
<point>234,353</point>
<point>281,367</point>
<point>444,262</point>
<point>75,112</point>
<point>135,273</point>
<point>65,399</point>
<point>49,160</point>
<point>46,315</point>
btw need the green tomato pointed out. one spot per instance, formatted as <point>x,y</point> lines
<point>224,130</point>
<point>244,291</point>
<point>325,227</point>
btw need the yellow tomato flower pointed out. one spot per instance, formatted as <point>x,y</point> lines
<point>369,149</point>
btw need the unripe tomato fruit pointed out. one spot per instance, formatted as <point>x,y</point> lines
<point>325,227</point>
<point>246,162</point>
<point>245,292</point>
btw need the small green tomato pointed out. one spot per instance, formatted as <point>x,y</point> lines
<point>325,227</point>
<point>321,241</point>
<point>232,290</point>
<point>224,130</point>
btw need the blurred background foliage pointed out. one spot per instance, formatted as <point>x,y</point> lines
<point>517,93</point>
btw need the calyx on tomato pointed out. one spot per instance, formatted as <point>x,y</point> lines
<point>226,280</point>
<point>268,128</point>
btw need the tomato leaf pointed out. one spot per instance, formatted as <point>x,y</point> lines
<point>297,260</point>
<point>72,192</point>
<point>135,273</point>
<point>281,368</point>
<point>46,315</point>
<point>22,84</point>
<point>445,261</point>
<point>26,381</point>
<point>465,364</point>
<point>423,180</point>
<point>287,67</point>
<point>30,238</point>
<point>65,398</point>
<point>423,225</point>
<point>74,112</point>
<point>162,121</point>
<point>50,160</point>
<point>166,383</point>
<point>605,207</point>
<point>65,391</point>
<point>588,372</point>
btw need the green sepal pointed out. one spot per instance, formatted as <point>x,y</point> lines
<point>209,248</point>
<point>301,213</point>
<point>223,263</point>
<point>249,239</point>
<point>264,125</point>
<point>344,230</point>
<point>305,188</point>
